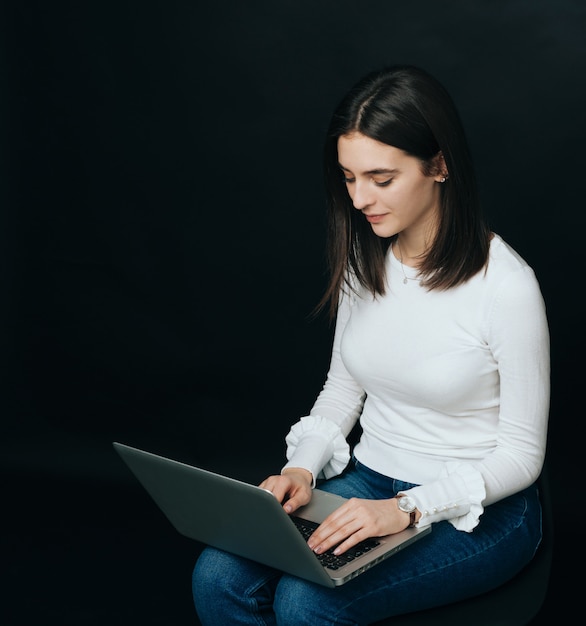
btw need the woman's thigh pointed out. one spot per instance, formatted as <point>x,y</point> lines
<point>413,579</point>
<point>445,566</point>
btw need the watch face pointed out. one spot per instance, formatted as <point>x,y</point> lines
<point>406,504</point>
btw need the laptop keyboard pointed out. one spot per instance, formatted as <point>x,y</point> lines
<point>329,559</point>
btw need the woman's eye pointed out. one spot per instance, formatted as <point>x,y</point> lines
<point>379,183</point>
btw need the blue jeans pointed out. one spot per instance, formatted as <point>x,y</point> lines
<point>445,566</point>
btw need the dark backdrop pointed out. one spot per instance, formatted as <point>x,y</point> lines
<point>162,241</point>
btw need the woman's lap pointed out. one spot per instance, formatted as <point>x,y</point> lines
<point>410,580</point>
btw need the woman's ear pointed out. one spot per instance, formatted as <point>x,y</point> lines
<point>439,169</point>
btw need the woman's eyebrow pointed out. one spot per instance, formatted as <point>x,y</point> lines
<point>382,170</point>
<point>373,172</point>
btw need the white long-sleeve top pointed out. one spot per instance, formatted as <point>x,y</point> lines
<point>451,388</point>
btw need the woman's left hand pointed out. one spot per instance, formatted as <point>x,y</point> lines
<point>357,520</point>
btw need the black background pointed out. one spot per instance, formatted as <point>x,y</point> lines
<point>162,247</point>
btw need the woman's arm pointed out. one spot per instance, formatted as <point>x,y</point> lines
<point>518,337</point>
<point>318,441</point>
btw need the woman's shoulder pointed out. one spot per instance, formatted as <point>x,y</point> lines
<point>503,257</point>
<point>507,271</point>
<point>512,290</point>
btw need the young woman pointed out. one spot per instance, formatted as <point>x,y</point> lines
<point>441,352</point>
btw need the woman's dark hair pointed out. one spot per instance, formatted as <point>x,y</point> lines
<point>405,107</point>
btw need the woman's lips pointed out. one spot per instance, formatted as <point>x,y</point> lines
<point>374,219</point>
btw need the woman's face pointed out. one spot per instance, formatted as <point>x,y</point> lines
<point>389,186</point>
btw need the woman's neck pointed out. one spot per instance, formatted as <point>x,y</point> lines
<point>409,252</point>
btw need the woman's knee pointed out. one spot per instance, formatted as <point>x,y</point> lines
<point>219,576</point>
<point>300,603</point>
<point>209,569</point>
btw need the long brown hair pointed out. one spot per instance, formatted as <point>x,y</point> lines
<point>405,107</point>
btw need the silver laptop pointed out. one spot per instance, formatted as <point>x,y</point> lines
<point>249,521</point>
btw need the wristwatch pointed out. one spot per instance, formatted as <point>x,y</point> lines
<point>407,505</point>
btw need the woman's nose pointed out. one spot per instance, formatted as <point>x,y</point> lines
<point>361,196</point>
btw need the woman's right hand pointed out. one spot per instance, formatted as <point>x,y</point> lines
<point>292,488</point>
